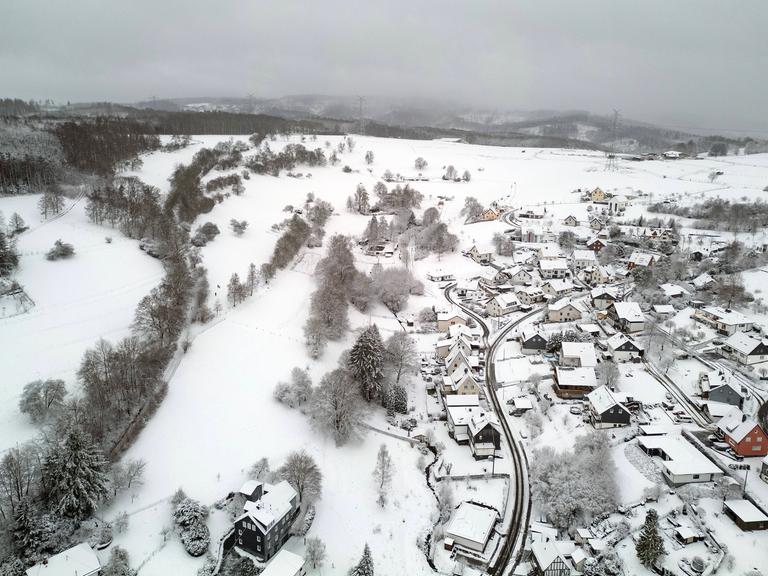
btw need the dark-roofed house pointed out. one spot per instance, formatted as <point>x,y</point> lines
<point>602,297</point>
<point>484,435</point>
<point>265,523</point>
<point>548,561</point>
<point>726,393</point>
<point>624,348</point>
<point>532,342</point>
<point>606,409</point>
<point>626,316</point>
<point>746,349</point>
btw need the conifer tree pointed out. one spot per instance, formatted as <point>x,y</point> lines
<point>9,259</point>
<point>365,566</point>
<point>650,546</point>
<point>366,361</point>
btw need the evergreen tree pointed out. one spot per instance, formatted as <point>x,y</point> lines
<point>366,361</point>
<point>74,474</point>
<point>16,223</point>
<point>399,397</point>
<point>650,546</point>
<point>118,564</point>
<point>24,520</point>
<point>9,259</point>
<point>365,566</point>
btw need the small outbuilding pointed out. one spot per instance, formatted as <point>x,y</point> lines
<point>746,515</point>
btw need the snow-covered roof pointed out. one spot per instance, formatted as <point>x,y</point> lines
<point>736,424</point>
<point>641,258</point>
<point>550,251</point>
<point>742,342</point>
<point>576,377</point>
<point>619,339</point>
<point>273,505</point>
<point>554,264</point>
<point>604,290</point>
<point>529,333</point>
<point>479,421</point>
<point>728,317</point>
<point>629,311</point>
<point>456,330</point>
<point>448,315</point>
<point>702,280</point>
<point>456,400</point>
<point>663,308</point>
<point>79,560</point>
<point>673,290</point>
<point>530,290</point>
<point>284,563</point>
<point>545,553</point>
<point>560,285</point>
<point>472,522</point>
<point>583,255</point>
<point>249,487</point>
<point>560,304</point>
<point>523,403</point>
<point>515,270</point>
<point>584,351</point>
<point>603,399</point>
<point>683,458</point>
<point>505,300</point>
<point>745,510</point>
<point>461,415</point>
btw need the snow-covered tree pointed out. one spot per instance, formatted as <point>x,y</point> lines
<point>238,226</point>
<point>365,566</point>
<point>650,545</point>
<point>472,208</point>
<point>74,475</point>
<point>60,250</point>
<point>42,398</point>
<point>9,258</point>
<point>190,518</point>
<point>127,475</point>
<point>401,355</point>
<point>382,474</point>
<point>252,280</point>
<point>315,552</point>
<point>366,362</point>
<point>445,499</point>
<point>450,173</point>
<point>337,406</point>
<point>361,199</point>
<point>235,290</point>
<point>420,164</point>
<point>399,399</point>
<point>301,472</point>
<point>16,224</point>
<point>369,157</point>
<point>608,373</point>
<point>117,565</point>
<point>466,176</point>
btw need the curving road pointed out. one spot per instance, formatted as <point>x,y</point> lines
<point>519,494</point>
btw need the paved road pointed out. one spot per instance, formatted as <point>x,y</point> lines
<point>519,494</point>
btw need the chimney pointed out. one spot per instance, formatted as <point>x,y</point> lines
<point>743,417</point>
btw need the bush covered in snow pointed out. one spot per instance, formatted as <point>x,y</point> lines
<point>60,250</point>
<point>190,516</point>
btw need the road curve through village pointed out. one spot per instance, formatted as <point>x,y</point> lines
<point>519,493</point>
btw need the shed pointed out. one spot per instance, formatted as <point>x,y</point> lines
<point>746,515</point>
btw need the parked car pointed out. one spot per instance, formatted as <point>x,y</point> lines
<point>576,410</point>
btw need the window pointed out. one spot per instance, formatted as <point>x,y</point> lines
<point>696,476</point>
<point>258,548</point>
<point>258,538</point>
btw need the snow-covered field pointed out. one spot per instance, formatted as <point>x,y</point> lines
<point>219,416</point>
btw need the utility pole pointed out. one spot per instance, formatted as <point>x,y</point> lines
<point>610,163</point>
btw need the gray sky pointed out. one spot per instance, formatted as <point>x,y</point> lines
<point>685,63</point>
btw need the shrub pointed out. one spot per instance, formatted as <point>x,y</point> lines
<point>60,250</point>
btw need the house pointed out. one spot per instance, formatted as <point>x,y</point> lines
<point>624,348</point>
<point>606,410</point>
<point>445,347</point>
<point>484,435</point>
<point>617,204</point>
<point>571,220</point>
<point>488,215</point>
<point>603,297</point>
<point>597,195</point>
<point>672,155</point>
<point>471,526</point>
<point>663,311</point>
<point>724,320</point>
<point>529,295</point>
<point>743,434</point>
<point>557,288</point>
<point>265,523</point>
<point>458,418</point>
<point>681,463</point>
<point>686,535</point>
<point>626,316</point>
<point>549,252</point>
<point>470,289</point>
<point>659,235</point>
<point>79,560</point>
<point>479,257</point>
<point>556,268</point>
<point>746,349</point>
<point>577,354</point>
<point>703,281</point>
<point>595,244</point>
<point>673,290</point>
<point>574,382</point>
<point>563,311</point>
<point>447,319</point>
<point>461,382</point>
<point>641,260</point>
<point>462,400</point>
<point>531,214</point>
<point>502,304</point>
<point>548,561</point>
<point>595,275</point>
<point>532,342</point>
<point>514,275</point>
<point>596,223</point>
<point>440,275</point>
<point>721,390</point>
<point>746,515</point>
<point>458,363</point>
<point>581,259</point>
<point>285,563</point>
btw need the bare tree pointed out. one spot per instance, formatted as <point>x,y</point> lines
<point>338,407</point>
<point>383,474</point>
<point>401,354</point>
<point>608,373</point>
<point>315,552</point>
<point>301,472</point>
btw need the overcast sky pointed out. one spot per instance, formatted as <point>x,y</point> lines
<point>686,63</point>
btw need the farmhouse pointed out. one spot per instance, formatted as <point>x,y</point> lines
<point>624,348</point>
<point>574,382</point>
<point>724,320</point>
<point>79,560</point>
<point>578,354</point>
<point>746,515</point>
<point>641,260</point>
<point>267,516</point>
<point>488,215</point>
<point>471,526</point>
<point>617,204</point>
<point>502,304</point>
<point>556,268</point>
<point>563,311</point>
<point>743,434</point>
<point>532,342</point>
<point>626,316</point>
<point>681,463</point>
<point>606,410</point>
<point>445,347</point>
<point>581,259</point>
<point>746,349</point>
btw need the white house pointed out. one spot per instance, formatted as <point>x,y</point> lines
<point>440,275</point>
<point>471,526</point>
<point>626,316</point>
<point>557,288</point>
<point>550,252</point>
<point>502,304</point>
<point>724,320</point>
<point>746,349</point>
<point>581,259</point>
<point>563,311</point>
<point>673,290</point>
<point>624,348</point>
<point>571,220</point>
<point>514,275</point>
<point>529,294</point>
<point>578,354</point>
<point>681,463</point>
<point>554,268</point>
<point>617,204</point>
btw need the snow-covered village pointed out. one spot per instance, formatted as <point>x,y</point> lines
<point>300,337</point>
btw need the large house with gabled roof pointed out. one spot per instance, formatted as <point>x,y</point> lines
<point>268,514</point>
